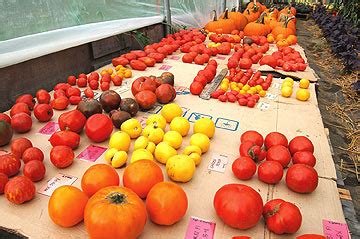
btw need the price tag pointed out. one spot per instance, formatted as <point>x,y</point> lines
<point>218,163</point>
<point>275,85</point>
<point>182,90</point>
<point>335,230</point>
<point>200,229</point>
<point>270,96</point>
<point>174,58</point>
<point>221,57</point>
<point>91,153</point>
<point>165,67</point>
<point>142,119</point>
<point>57,181</point>
<point>49,128</point>
<point>263,106</point>
<point>122,89</point>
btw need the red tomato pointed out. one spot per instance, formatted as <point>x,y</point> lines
<point>19,145</point>
<point>98,127</point>
<point>280,154</point>
<point>34,170</point>
<point>75,100</point>
<point>201,79</point>
<point>20,108</point>
<point>3,181</point>
<point>43,97</point>
<point>282,217</point>
<point>27,99</point>
<point>71,80</point>
<point>62,86</point>
<point>67,138</point>
<point>245,63</point>
<point>301,178</point>
<point>252,136</point>
<point>82,75</point>
<point>93,76</point>
<point>275,138</point>
<point>105,86</point>
<point>60,103</point>
<point>21,122</point>
<point>82,82</point>
<point>5,117</point>
<point>73,91</point>
<point>300,143</point>
<point>59,93</point>
<point>43,112</point>
<point>61,156</point>
<point>304,157</point>
<point>73,120</point>
<point>117,81</point>
<point>250,149</point>
<point>32,153</point>
<point>238,205</point>
<point>311,236</point>
<point>89,93</point>
<point>94,85</point>
<point>196,88</point>
<point>270,172</point>
<point>9,164</point>
<point>146,99</point>
<point>19,190</point>
<point>244,168</point>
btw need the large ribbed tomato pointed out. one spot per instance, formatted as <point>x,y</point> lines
<point>98,127</point>
<point>9,164</point>
<point>73,120</point>
<point>238,205</point>
<point>115,212</point>
<point>282,217</point>
<point>66,206</point>
<point>19,189</point>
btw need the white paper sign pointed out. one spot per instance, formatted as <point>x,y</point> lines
<point>56,182</point>
<point>270,96</point>
<point>275,85</point>
<point>263,106</point>
<point>218,163</point>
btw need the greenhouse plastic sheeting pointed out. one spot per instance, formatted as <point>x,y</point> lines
<point>30,29</point>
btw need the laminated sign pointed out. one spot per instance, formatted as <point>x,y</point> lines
<point>50,128</point>
<point>56,182</point>
<point>200,229</point>
<point>91,153</point>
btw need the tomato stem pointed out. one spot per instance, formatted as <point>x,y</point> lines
<point>116,197</point>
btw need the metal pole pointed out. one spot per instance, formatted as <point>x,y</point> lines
<point>224,5</point>
<point>167,13</point>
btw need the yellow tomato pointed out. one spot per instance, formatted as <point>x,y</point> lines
<point>128,73</point>
<point>246,87</point>
<point>109,70</point>
<point>304,83</point>
<point>302,94</point>
<point>286,83</point>
<point>224,86</point>
<point>180,168</point>
<point>242,92</point>
<point>240,85</point>
<point>258,88</point>
<point>286,91</point>
<point>262,93</point>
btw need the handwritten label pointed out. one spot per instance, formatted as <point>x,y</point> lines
<point>335,230</point>
<point>270,96</point>
<point>49,128</point>
<point>165,67</point>
<point>200,229</point>
<point>156,109</point>
<point>182,90</point>
<point>227,124</point>
<point>221,57</point>
<point>195,116</point>
<point>218,163</point>
<point>275,85</point>
<point>263,106</point>
<point>142,119</point>
<point>174,58</point>
<point>56,182</point>
<point>123,88</point>
<point>91,153</point>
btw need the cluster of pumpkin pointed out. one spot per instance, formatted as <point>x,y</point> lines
<point>257,20</point>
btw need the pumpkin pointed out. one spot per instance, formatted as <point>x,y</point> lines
<point>289,9</point>
<point>66,206</point>
<point>115,212</point>
<point>251,15</point>
<point>239,19</point>
<point>225,24</point>
<point>273,11</point>
<point>257,5</point>
<point>270,20</point>
<point>284,29</point>
<point>257,28</point>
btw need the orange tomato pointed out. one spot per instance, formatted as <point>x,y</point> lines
<point>141,176</point>
<point>292,39</point>
<point>282,42</point>
<point>97,177</point>
<point>270,38</point>
<point>115,212</point>
<point>66,206</point>
<point>279,37</point>
<point>166,203</point>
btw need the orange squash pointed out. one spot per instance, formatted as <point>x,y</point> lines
<point>115,212</point>
<point>274,11</point>
<point>251,15</point>
<point>226,25</point>
<point>257,28</point>
<point>284,29</point>
<point>288,9</point>
<point>257,5</point>
<point>239,19</point>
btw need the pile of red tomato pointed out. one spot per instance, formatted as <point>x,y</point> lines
<point>203,77</point>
